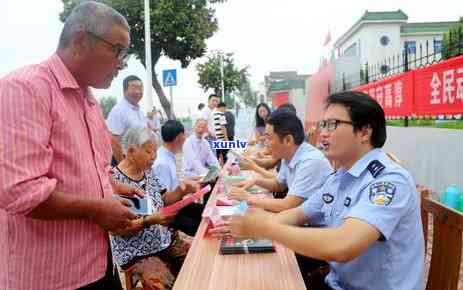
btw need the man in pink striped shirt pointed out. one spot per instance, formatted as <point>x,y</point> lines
<point>55,187</point>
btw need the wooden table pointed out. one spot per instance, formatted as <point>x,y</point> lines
<point>205,269</point>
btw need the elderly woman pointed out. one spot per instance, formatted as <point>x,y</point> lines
<point>148,248</point>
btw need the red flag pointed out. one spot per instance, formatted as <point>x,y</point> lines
<point>327,38</point>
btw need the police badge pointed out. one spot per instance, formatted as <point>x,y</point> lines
<point>382,193</point>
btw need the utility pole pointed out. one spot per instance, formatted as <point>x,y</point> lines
<point>149,67</point>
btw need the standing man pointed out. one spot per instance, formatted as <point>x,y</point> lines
<point>369,209</point>
<point>126,114</point>
<point>154,122</point>
<point>197,155</point>
<point>220,130</point>
<point>55,189</point>
<point>208,114</point>
<point>198,113</point>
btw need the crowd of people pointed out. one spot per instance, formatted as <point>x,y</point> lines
<point>344,206</point>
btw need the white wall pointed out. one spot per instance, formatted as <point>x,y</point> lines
<point>299,99</point>
<point>433,156</point>
<point>370,48</point>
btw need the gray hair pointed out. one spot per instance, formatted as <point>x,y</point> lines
<point>92,16</point>
<point>200,120</point>
<point>137,137</point>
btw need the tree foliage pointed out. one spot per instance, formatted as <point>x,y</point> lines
<point>106,104</point>
<point>247,94</point>
<point>210,75</point>
<point>179,30</point>
<point>452,42</point>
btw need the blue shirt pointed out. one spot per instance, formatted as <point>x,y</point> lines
<point>378,191</point>
<point>164,167</point>
<point>305,173</point>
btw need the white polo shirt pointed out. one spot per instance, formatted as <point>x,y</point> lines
<point>124,116</point>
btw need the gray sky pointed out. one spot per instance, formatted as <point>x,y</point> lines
<point>267,35</point>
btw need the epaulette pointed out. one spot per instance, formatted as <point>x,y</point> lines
<point>375,167</point>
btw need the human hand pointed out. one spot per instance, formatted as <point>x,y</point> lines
<point>160,218</point>
<point>112,214</point>
<point>250,225</point>
<point>123,189</point>
<point>239,194</point>
<point>219,231</point>
<point>247,163</point>
<point>246,184</point>
<point>189,186</point>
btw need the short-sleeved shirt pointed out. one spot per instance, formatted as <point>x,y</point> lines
<point>378,191</point>
<point>129,248</point>
<point>219,122</point>
<point>164,167</point>
<point>208,115</point>
<point>124,116</point>
<point>53,137</point>
<point>305,173</point>
<point>197,156</point>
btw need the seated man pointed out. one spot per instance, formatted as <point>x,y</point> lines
<point>165,167</point>
<point>373,236</point>
<point>197,154</point>
<point>303,169</point>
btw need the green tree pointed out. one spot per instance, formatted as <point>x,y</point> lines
<point>107,103</point>
<point>179,30</point>
<point>248,95</point>
<point>210,75</point>
<point>452,41</point>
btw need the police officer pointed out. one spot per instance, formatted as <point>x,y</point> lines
<point>303,170</point>
<point>369,212</point>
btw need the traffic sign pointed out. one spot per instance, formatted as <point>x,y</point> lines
<point>169,77</point>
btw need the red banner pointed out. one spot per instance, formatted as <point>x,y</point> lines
<point>280,98</point>
<point>439,88</point>
<point>395,95</point>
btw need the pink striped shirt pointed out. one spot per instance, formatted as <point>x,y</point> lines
<point>52,137</point>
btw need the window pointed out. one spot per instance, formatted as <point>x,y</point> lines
<point>437,46</point>
<point>384,40</point>
<point>411,46</point>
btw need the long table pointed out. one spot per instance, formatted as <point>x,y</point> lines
<point>205,269</point>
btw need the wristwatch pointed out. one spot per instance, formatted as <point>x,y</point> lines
<point>144,221</point>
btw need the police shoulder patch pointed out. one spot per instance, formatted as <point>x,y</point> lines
<point>375,167</point>
<point>382,193</point>
<point>328,198</point>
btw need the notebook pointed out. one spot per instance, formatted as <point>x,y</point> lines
<point>230,245</point>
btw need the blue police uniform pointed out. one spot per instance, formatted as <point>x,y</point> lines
<point>378,191</point>
<point>305,173</point>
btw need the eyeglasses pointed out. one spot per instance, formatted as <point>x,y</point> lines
<point>120,52</point>
<point>331,124</point>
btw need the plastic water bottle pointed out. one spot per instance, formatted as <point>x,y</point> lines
<point>451,197</point>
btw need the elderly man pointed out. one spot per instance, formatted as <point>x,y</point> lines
<point>126,114</point>
<point>197,155</point>
<point>55,187</point>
